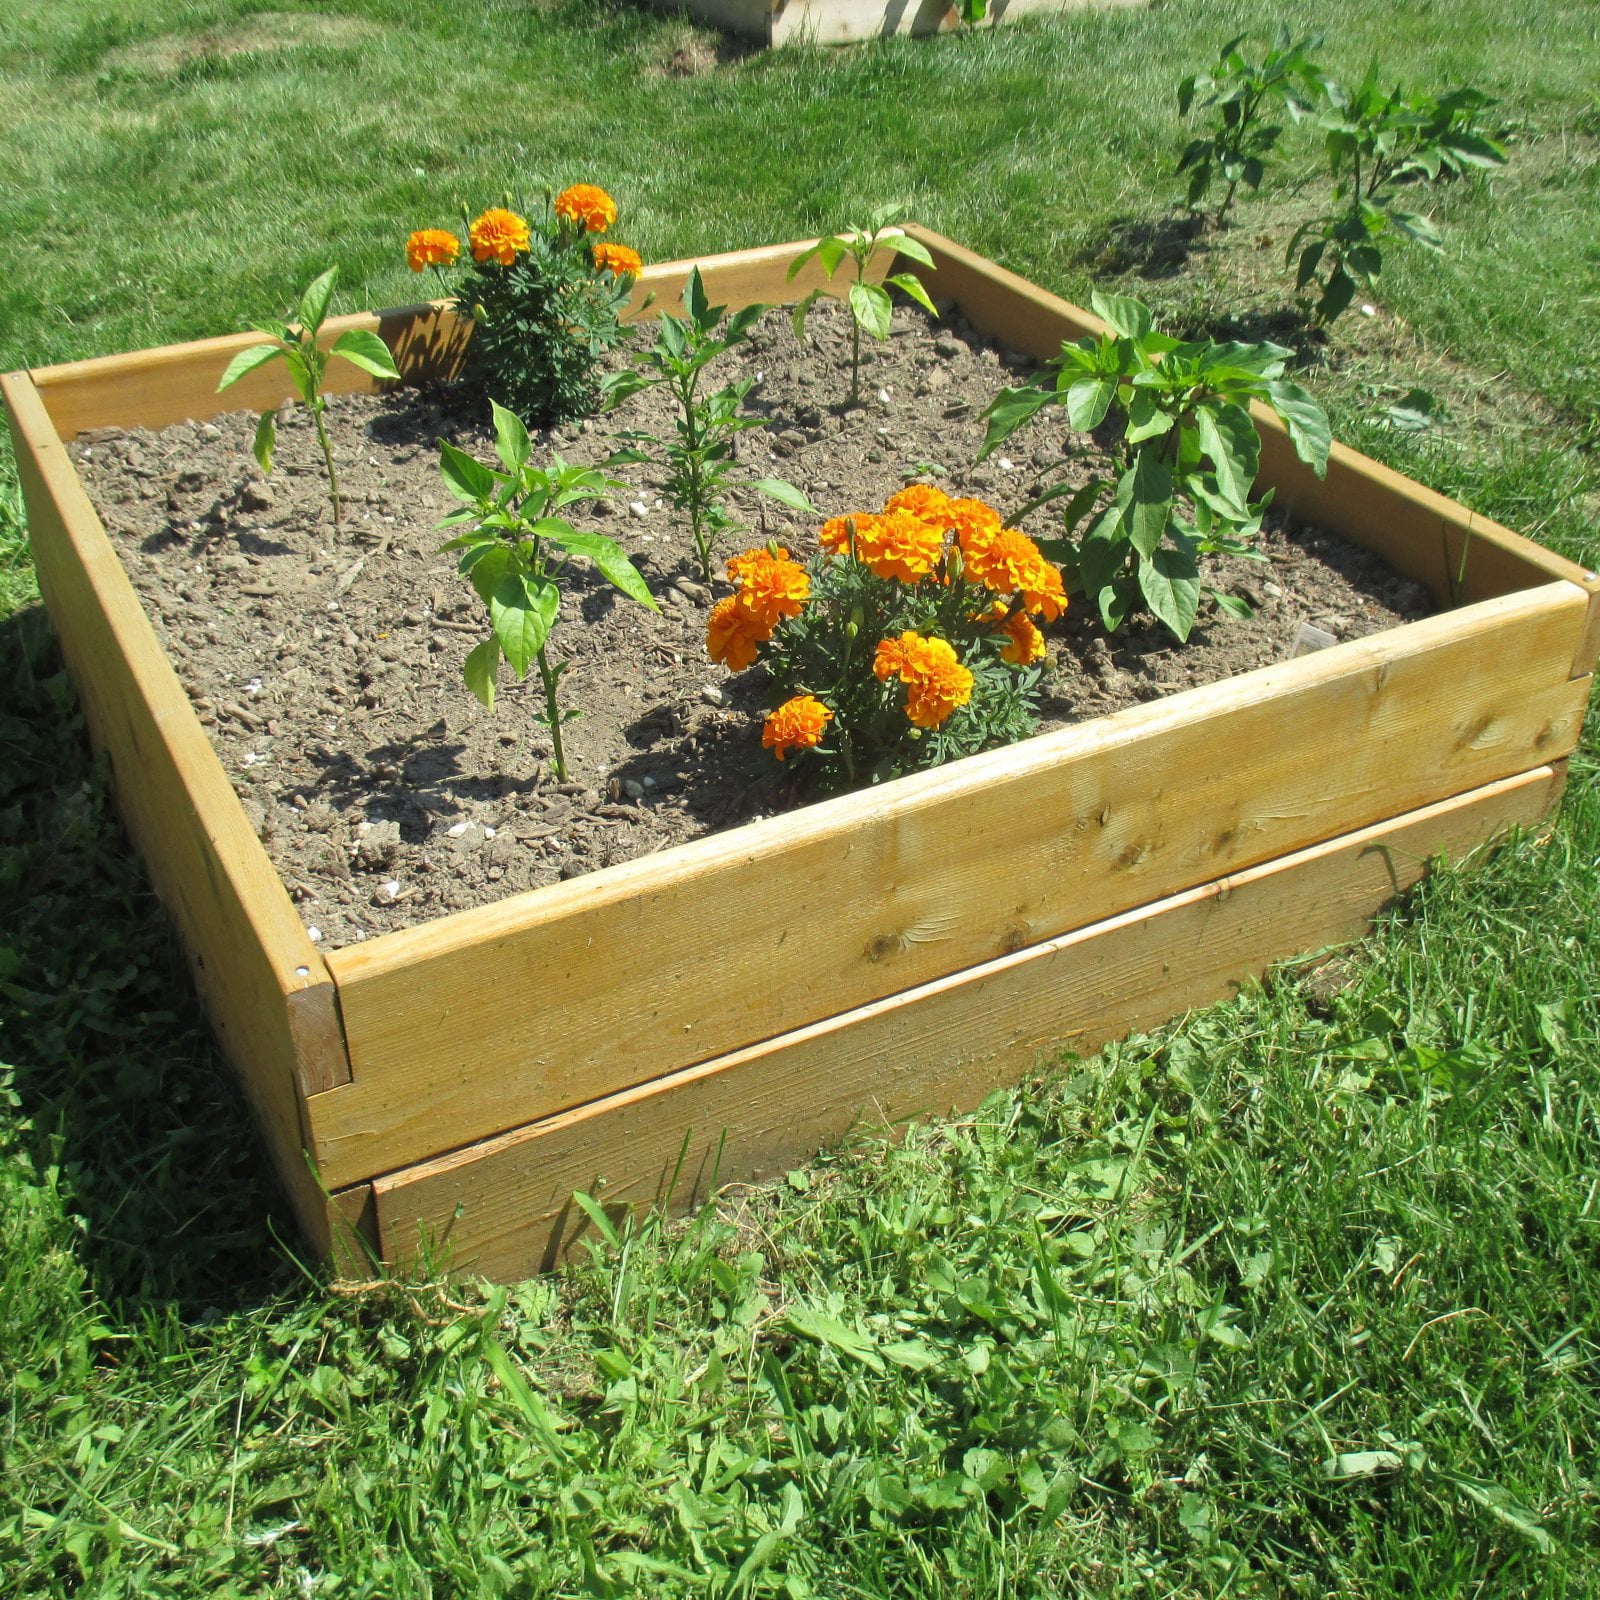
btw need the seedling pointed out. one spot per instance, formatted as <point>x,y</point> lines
<point>869,303</point>
<point>295,344</point>
<point>515,550</point>
<point>700,462</point>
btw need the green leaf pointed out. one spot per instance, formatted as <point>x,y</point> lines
<point>830,252</point>
<point>1009,410</point>
<point>871,307</point>
<point>1088,400</point>
<point>361,347</point>
<point>1306,421</point>
<point>612,562</point>
<point>485,566</point>
<point>785,494</point>
<point>615,387</point>
<point>464,477</point>
<point>314,302</point>
<point>818,1325</point>
<point>1361,1463</point>
<point>1229,437</point>
<point>258,355</point>
<point>915,249</point>
<point>1169,580</point>
<point>798,264</point>
<point>1146,419</point>
<point>1128,318</point>
<point>797,319</point>
<point>694,298</point>
<point>480,670</point>
<point>908,284</point>
<point>266,440</point>
<point>522,610</point>
<point>1234,605</point>
<point>511,442</point>
<point>1146,520</point>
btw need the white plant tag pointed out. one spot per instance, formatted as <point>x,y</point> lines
<point>1309,637</point>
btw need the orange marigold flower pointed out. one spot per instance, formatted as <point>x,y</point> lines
<point>973,520</point>
<point>797,724</point>
<point>1044,593</point>
<point>1003,559</point>
<point>921,500</point>
<point>890,657</point>
<point>899,545</point>
<point>432,247</point>
<point>617,259</point>
<point>589,206</point>
<point>1026,642</point>
<point>498,235</point>
<point>771,586</point>
<point>733,631</point>
<point>936,683</point>
<point>835,533</point>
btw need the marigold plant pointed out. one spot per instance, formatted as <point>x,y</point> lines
<point>544,295</point>
<point>908,641</point>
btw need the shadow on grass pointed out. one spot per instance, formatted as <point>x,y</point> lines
<point>1147,247</point>
<point>109,1052</point>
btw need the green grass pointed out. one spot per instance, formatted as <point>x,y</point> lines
<point>1104,1337</point>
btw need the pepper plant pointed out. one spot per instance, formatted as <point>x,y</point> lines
<point>869,303</point>
<point>295,344</point>
<point>1186,456</point>
<point>514,551</point>
<point>700,461</point>
<point>1376,143</point>
<point>1242,92</point>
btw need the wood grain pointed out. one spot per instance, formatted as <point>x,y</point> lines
<point>490,1018</point>
<point>503,1207</point>
<point>263,982</point>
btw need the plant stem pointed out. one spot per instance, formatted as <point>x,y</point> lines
<point>327,456</point>
<point>855,361</point>
<point>550,677</point>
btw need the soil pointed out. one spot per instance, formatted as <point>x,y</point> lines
<point>326,664</point>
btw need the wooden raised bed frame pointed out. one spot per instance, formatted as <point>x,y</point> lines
<point>723,1008</point>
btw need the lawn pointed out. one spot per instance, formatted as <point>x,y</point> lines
<point>1300,1297</point>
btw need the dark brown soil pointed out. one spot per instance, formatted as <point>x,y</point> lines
<point>327,666</point>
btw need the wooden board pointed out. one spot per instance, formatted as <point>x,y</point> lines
<point>263,981</point>
<point>503,1207</point>
<point>490,1018</point>
<point>780,22</point>
<point>1457,555</point>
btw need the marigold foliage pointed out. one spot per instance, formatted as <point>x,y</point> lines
<point>499,235</point>
<point>432,247</point>
<point>797,724</point>
<point>587,206</point>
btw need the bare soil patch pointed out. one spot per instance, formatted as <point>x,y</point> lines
<point>326,664</point>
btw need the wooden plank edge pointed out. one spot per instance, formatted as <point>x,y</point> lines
<point>1588,654</point>
<point>684,1125</point>
<point>301,979</point>
<point>839,818</point>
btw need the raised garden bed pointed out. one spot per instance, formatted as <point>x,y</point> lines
<point>722,1008</point>
<point>777,22</point>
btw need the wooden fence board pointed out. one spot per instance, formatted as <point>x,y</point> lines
<point>503,1207</point>
<point>489,1018</point>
